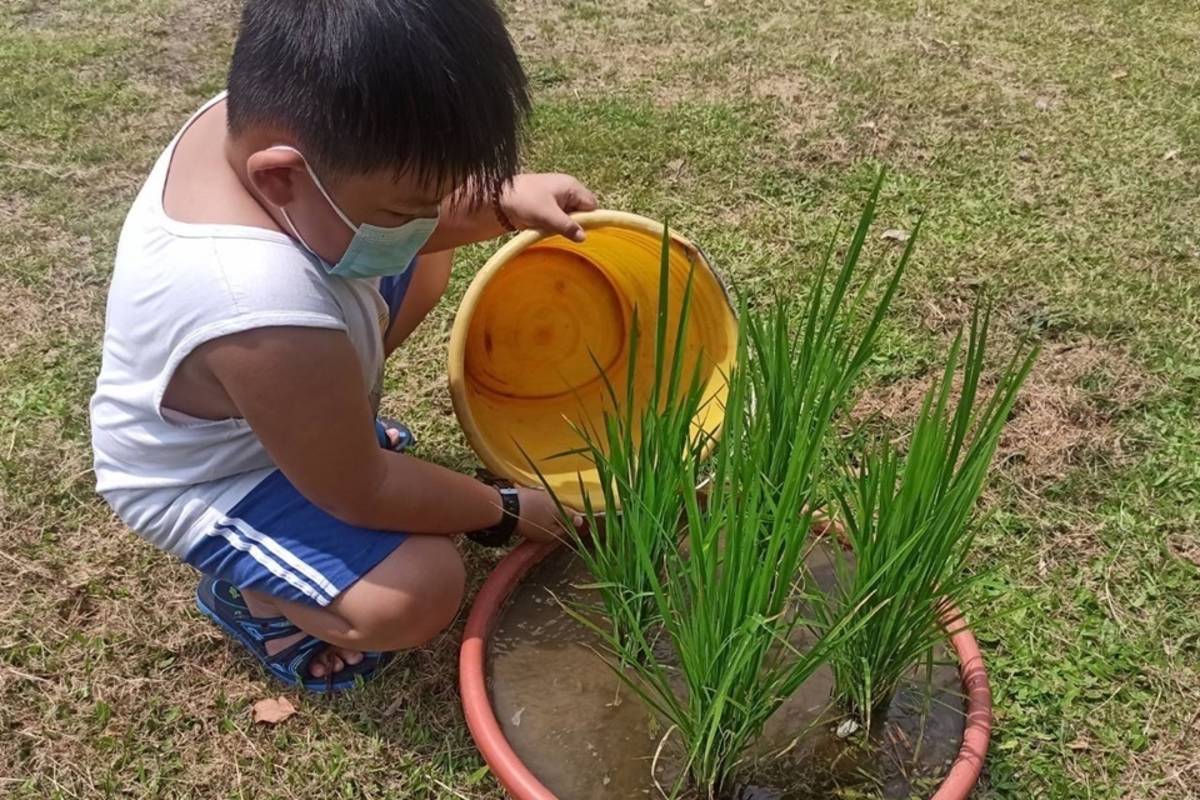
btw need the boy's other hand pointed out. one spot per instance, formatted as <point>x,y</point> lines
<point>540,519</point>
<point>545,202</point>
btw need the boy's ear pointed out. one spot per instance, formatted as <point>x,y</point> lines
<point>273,172</point>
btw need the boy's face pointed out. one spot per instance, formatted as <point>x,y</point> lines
<point>381,198</point>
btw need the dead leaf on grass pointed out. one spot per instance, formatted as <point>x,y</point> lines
<point>894,235</point>
<point>273,710</point>
<point>1120,73</point>
<point>1171,154</point>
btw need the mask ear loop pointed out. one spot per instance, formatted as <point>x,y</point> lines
<point>296,233</point>
<point>320,188</point>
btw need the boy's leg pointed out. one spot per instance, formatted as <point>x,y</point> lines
<point>431,276</point>
<point>403,602</point>
<point>354,588</point>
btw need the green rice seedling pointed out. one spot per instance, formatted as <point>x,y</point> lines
<point>725,598</point>
<point>908,521</point>
<point>644,458</point>
<point>775,348</point>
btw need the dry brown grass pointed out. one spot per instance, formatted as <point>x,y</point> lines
<point>1065,417</point>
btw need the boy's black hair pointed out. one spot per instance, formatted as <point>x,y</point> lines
<point>428,86</point>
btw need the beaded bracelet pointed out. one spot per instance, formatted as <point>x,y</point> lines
<point>501,217</point>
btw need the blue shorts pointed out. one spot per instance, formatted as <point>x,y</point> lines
<point>276,542</point>
<point>394,288</point>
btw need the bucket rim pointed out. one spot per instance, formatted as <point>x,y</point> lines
<point>456,351</point>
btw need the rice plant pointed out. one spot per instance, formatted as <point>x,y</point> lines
<point>775,348</point>
<point>908,522</point>
<point>645,457</point>
<point>725,598</point>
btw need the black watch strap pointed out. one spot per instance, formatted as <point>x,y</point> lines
<point>502,532</point>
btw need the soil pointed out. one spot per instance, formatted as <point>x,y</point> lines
<point>588,737</point>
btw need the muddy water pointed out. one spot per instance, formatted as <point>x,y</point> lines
<point>587,737</point>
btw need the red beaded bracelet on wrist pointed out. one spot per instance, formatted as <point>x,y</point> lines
<point>501,217</point>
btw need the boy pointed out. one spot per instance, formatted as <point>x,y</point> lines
<point>292,235</point>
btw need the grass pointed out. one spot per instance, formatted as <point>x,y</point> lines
<point>1054,149</point>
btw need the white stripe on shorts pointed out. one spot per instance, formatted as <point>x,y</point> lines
<point>271,565</point>
<point>284,555</point>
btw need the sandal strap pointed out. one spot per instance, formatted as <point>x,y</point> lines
<point>266,629</point>
<point>295,656</point>
<point>261,629</point>
<point>406,441</point>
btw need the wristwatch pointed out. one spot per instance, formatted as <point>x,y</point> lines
<point>501,533</point>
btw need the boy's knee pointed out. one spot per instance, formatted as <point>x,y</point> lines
<point>410,598</point>
<point>439,593</point>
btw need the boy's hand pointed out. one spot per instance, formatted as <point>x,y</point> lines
<point>540,520</point>
<point>545,202</point>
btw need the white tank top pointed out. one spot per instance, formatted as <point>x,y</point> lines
<point>176,286</point>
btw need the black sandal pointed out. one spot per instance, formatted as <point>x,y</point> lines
<point>404,441</point>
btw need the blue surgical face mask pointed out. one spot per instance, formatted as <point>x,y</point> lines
<point>374,251</point>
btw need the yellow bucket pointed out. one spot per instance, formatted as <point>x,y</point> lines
<point>540,316</point>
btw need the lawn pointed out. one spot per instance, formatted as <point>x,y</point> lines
<point>1054,148</point>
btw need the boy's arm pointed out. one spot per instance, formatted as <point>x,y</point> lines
<point>537,201</point>
<point>301,390</point>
